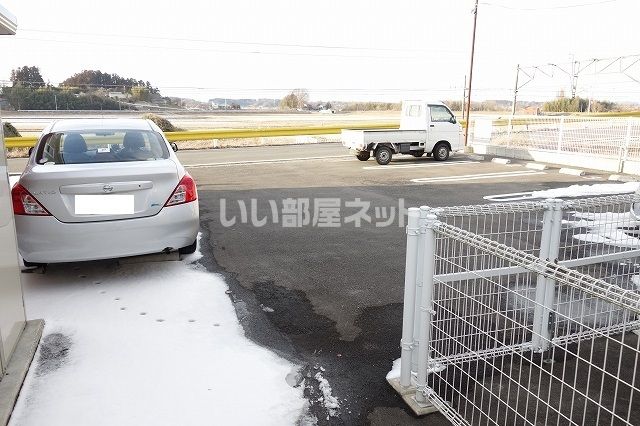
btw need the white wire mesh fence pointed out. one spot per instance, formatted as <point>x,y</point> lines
<point>524,314</point>
<point>569,140</point>
<point>611,137</point>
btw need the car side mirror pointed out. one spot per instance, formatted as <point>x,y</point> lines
<point>453,120</point>
<point>174,146</point>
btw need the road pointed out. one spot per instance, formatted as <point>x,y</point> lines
<point>331,297</point>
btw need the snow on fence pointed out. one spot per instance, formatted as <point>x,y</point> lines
<point>523,313</point>
<point>614,139</point>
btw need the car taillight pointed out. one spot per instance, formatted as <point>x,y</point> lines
<point>185,192</point>
<point>26,204</point>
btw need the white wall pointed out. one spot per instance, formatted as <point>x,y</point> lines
<point>12,314</point>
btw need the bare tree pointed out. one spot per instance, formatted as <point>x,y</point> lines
<point>298,98</point>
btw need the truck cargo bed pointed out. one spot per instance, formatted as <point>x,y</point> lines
<point>360,139</point>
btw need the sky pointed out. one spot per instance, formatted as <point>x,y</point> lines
<point>336,49</point>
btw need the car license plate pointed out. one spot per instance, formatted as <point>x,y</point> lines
<point>104,204</point>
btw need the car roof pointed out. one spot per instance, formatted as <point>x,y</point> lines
<point>100,124</point>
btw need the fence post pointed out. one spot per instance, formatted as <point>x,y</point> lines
<point>545,287</point>
<point>560,134</point>
<point>424,212</point>
<point>426,307</point>
<point>509,132</point>
<point>408,315</point>
<point>624,152</point>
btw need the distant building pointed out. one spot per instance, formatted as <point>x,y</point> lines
<point>118,95</point>
<point>4,104</point>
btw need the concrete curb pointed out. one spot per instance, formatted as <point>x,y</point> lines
<point>501,160</point>
<point>573,172</point>
<point>18,368</point>
<point>536,166</point>
<point>475,157</point>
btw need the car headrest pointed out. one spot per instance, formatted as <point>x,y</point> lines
<point>133,140</point>
<point>74,143</point>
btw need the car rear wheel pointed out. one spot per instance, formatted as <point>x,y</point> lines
<point>32,264</point>
<point>363,155</point>
<point>190,248</point>
<point>383,155</point>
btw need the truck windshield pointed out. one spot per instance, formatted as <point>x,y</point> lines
<point>440,113</point>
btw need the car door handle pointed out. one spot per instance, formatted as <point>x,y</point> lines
<point>431,125</point>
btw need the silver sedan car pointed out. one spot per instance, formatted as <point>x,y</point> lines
<point>103,188</point>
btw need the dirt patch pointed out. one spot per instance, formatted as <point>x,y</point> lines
<point>17,152</point>
<point>243,142</point>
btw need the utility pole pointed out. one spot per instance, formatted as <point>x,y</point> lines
<point>464,97</point>
<point>55,100</point>
<point>473,46</point>
<point>515,92</point>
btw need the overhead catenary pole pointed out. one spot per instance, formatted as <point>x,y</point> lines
<point>473,46</point>
<point>515,92</point>
<point>574,77</point>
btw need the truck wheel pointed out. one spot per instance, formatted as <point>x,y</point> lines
<point>363,155</point>
<point>417,154</point>
<point>441,152</point>
<point>383,155</point>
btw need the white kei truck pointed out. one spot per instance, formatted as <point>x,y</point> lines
<point>425,127</point>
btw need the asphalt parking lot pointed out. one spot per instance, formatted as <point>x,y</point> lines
<point>327,296</point>
<point>311,243</point>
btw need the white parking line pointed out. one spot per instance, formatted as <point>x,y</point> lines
<point>475,177</point>
<point>258,162</point>
<point>515,196</point>
<point>413,166</point>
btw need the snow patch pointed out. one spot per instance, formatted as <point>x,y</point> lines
<point>149,343</point>
<point>329,401</point>
<point>606,228</point>
<point>588,190</point>
<point>395,370</point>
<point>635,279</point>
<point>196,255</point>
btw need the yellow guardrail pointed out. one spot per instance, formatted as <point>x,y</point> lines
<point>610,114</point>
<point>20,142</point>
<point>191,135</point>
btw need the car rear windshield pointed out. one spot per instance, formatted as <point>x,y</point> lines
<point>104,146</point>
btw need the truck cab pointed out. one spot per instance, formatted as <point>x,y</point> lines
<point>425,127</point>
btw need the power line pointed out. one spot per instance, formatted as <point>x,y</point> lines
<point>240,43</point>
<point>254,52</point>
<point>572,6</point>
